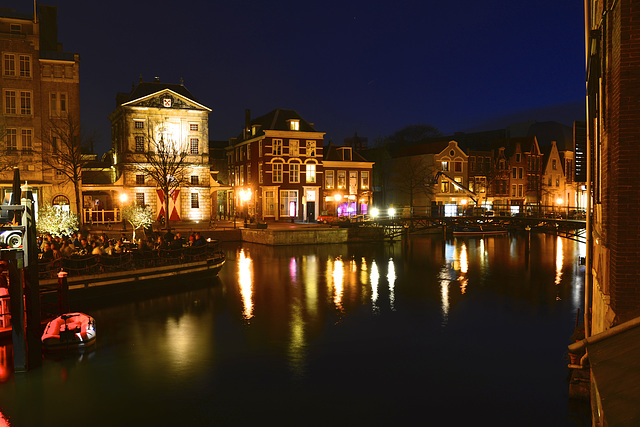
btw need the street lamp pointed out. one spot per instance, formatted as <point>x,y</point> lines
<point>123,200</point>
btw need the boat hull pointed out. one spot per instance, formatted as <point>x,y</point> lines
<point>71,331</point>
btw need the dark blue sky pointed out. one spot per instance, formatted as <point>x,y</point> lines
<point>370,66</point>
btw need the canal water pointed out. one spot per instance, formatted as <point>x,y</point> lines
<point>464,331</point>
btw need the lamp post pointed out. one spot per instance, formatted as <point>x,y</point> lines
<point>123,200</point>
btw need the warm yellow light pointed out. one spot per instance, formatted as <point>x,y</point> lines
<point>245,195</point>
<point>374,212</point>
<point>123,198</point>
<point>392,212</point>
<point>337,197</point>
<point>463,201</point>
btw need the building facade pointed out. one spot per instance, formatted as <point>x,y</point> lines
<point>40,91</point>
<point>159,123</point>
<point>347,187</point>
<point>275,167</point>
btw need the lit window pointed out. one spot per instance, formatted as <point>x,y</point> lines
<point>193,127</point>
<point>553,164</point>
<point>260,173</point>
<point>342,180</point>
<point>138,124</point>
<point>288,203</point>
<point>311,173</point>
<point>140,199</point>
<point>364,180</point>
<point>194,146</point>
<point>195,204</point>
<point>328,179</point>
<point>269,203</point>
<point>294,173</point>
<point>277,172</point>
<point>294,125</point>
<point>445,166</point>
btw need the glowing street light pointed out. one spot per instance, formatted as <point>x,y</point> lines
<point>374,212</point>
<point>392,212</point>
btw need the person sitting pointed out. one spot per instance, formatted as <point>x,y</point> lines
<point>110,249</point>
<point>47,253</point>
<point>96,248</point>
<point>67,248</point>
<point>199,241</point>
<point>55,251</point>
<point>178,241</point>
<point>84,248</point>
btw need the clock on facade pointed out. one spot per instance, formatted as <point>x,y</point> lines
<point>166,102</point>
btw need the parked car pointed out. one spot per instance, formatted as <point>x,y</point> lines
<point>326,219</point>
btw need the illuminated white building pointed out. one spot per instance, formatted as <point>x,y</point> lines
<point>152,112</point>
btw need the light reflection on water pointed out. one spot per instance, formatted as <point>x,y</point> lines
<point>324,325</point>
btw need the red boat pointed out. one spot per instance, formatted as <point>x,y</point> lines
<point>71,331</point>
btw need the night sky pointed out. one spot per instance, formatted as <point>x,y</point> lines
<point>346,66</point>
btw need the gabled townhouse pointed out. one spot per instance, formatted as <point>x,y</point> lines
<point>153,114</point>
<point>275,167</point>
<point>524,163</point>
<point>453,162</point>
<point>347,186</point>
<point>559,188</point>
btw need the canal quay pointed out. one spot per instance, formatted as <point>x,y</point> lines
<point>431,330</point>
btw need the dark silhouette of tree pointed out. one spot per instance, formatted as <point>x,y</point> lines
<point>165,162</point>
<point>412,177</point>
<point>65,151</point>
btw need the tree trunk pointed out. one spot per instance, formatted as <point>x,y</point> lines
<point>76,187</point>
<point>166,209</point>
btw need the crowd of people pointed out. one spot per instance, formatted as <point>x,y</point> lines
<point>80,244</point>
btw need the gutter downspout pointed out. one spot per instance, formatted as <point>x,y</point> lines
<point>588,282</point>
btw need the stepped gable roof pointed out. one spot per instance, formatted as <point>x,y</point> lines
<point>527,143</point>
<point>432,147</point>
<point>147,88</point>
<point>331,153</point>
<point>546,132</point>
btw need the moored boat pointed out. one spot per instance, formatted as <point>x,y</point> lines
<point>71,331</point>
<point>479,230</point>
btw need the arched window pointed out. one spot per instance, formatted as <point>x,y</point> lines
<point>61,202</point>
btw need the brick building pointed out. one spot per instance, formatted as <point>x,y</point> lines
<point>275,167</point>
<point>39,85</point>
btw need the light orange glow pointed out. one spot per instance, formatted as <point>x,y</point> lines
<point>245,279</point>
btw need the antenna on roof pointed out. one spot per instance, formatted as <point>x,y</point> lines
<point>181,82</point>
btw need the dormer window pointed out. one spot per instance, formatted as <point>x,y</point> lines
<point>346,153</point>
<point>254,130</point>
<point>294,124</point>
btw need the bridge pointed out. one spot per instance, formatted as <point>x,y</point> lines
<point>395,227</point>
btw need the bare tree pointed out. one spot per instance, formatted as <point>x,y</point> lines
<point>8,143</point>
<point>412,177</point>
<point>64,151</point>
<point>165,163</point>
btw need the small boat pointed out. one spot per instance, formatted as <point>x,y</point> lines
<point>71,331</point>
<point>479,230</point>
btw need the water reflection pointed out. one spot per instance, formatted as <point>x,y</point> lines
<point>337,274</point>
<point>374,277</point>
<point>559,260</point>
<point>245,280</point>
<point>391,278</point>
